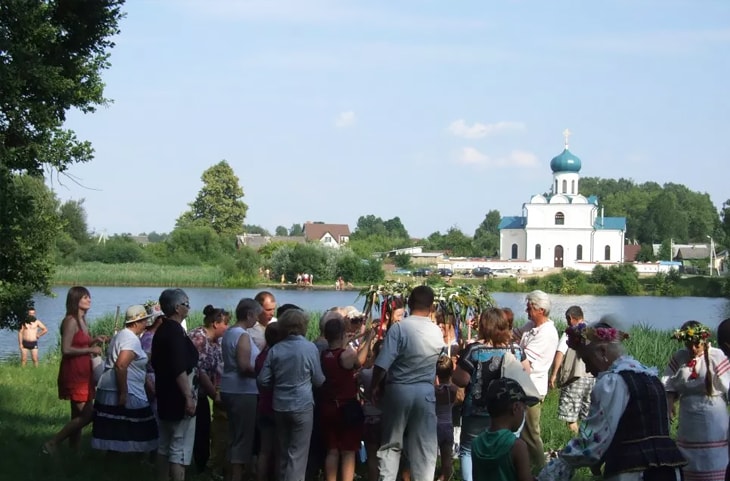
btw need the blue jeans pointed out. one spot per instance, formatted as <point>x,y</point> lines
<point>471,427</point>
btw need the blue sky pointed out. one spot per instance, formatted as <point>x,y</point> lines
<point>434,111</point>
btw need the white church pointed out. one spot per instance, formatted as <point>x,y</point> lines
<point>563,229</point>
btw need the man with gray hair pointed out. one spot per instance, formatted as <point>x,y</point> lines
<point>538,339</point>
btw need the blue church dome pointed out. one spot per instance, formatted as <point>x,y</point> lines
<point>565,162</point>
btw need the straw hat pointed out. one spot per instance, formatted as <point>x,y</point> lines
<point>136,313</point>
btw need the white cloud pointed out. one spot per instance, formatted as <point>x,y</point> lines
<point>345,120</point>
<point>516,158</point>
<point>460,128</point>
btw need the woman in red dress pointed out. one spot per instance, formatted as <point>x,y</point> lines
<point>341,413</point>
<point>75,375</point>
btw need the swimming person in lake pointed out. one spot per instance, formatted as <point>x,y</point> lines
<point>28,336</point>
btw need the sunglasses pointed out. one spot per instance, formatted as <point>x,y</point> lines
<point>186,304</point>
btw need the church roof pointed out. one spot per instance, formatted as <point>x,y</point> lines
<point>566,161</point>
<point>610,223</point>
<point>512,222</point>
<point>592,199</point>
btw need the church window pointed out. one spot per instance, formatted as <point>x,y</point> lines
<point>607,253</point>
<point>556,186</point>
<point>565,186</point>
<point>514,251</point>
<point>559,218</point>
<point>579,252</point>
<point>538,251</point>
<point>572,187</point>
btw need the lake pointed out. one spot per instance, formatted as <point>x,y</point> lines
<point>659,312</point>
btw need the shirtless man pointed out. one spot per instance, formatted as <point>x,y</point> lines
<point>28,336</point>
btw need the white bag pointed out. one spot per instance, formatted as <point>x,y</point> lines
<point>512,368</point>
<point>97,367</point>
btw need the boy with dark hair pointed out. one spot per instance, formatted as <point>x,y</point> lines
<point>497,454</point>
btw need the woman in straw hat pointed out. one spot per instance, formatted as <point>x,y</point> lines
<point>123,420</point>
<point>699,376</point>
<point>627,428</point>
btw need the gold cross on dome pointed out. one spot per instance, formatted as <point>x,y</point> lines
<point>567,133</point>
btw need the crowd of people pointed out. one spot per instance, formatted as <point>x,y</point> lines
<point>405,392</point>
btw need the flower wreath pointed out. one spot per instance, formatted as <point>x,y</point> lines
<point>695,334</point>
<point>582,335</point>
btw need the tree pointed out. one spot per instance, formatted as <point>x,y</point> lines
<point>281,231</point>
<point>218,203</point>
<point>28,231</point>
<point>725,215</point>
<point>402,260</point>
<point>52,54</point>
<point>73,220</point>
<point>486,237</point>
<point>255,229</point>
<point>296,230</point>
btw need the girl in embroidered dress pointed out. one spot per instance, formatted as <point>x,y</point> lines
<point>699,377</point>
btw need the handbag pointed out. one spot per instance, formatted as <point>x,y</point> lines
<point>512,368</point>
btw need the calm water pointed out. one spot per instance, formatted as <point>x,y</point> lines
<point>660,312</point>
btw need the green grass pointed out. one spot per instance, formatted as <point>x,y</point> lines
<point>30,413</point>
<point>138,274</point>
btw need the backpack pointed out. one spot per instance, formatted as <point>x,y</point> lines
<point>485,372</point>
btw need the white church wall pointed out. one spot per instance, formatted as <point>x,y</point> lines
<point>550,239</point>
<point>614,240</point>
<point>508,237</point>
<point>575,215</point>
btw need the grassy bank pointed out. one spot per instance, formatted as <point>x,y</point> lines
<point>30,412</point>
<point>138,274</point>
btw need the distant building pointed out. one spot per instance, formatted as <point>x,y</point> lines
<point>332,235</point>
<point>142,240</point>
<point>257,241</point>
<point>564,228</point>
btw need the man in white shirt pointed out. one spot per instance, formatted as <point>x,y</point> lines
<point>268,306</point>
<point>538,339</point>
<point>408,355</point>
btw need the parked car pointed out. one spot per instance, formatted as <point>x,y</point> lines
<point>503,273</point>
<point>403,272</point>
<point>482,272</point>
<point>446,272</point>
<point>422,272</point>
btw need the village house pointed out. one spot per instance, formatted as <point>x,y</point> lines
<point>332,235</point>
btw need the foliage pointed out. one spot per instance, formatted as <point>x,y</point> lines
<point>325,263</point>
<point>655,212</point>
<point>296,230</point>
<point>28,230</point>
<point>73,220</point>
<point>52,55</point>
<point>139,274</point>
<point>374,235</point>
<point>402,260</point>
<point>116,250</point>
<point>646,254</point>
<point>218,204</point>
<point>455,242</point>
<point>665,251</point>
<point>154,237</point>
<point>281,231</point>
<point>243,271</point>
<point>486,236</point>
<point>666,284</point>
<point>198,244</point>
<point>619,279</point>
<point>255,229</point>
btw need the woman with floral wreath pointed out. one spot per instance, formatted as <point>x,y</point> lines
<point>699,377</point>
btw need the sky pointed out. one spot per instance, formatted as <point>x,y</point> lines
<point>433,111</point>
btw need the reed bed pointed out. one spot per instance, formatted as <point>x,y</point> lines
<point>139,274</point>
